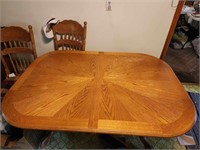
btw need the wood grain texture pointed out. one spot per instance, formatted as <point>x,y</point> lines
<point>17,48</point>
<point>119,93</point>
<point>69,35</point>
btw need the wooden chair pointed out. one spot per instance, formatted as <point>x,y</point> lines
<point>17,53</point>
<point>17,49</point>
<point>69,35</point>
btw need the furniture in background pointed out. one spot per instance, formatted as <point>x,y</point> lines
<point>183,52</point>
<point>18,45</point>
<point>17,53</point>
<point>184,33</point>
<point>113,93</point>
<point>69,35</point>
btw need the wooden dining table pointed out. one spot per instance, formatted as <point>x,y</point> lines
<point>100,92</point>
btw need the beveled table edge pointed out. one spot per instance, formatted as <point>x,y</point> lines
<point>165,128</point>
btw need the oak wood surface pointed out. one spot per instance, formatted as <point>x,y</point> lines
<point>69,35</point>
<point>119,93</point>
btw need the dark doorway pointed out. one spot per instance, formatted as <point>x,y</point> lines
<point>183,51</point>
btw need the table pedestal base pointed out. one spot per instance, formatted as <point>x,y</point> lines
<point>120,142</point>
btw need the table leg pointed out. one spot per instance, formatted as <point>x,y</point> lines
<point>120,142</point>
<point>146,144</point>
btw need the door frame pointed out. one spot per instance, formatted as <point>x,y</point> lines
<point>172,28</point>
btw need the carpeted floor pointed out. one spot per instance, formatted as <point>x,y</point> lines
<point>70,140</point>
<point>194,132</point>
<point>190,87</point>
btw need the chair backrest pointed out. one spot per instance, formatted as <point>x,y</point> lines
<point>69,35</point>
<point>18,46</point>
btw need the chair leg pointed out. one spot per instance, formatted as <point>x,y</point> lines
<point>14,133</point>
<point>184,44</point>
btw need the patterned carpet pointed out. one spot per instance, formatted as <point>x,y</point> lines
<point>190,87</point>
<point>70,140</point>
<point>194,132</point>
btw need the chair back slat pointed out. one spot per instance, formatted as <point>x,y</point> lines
<point>14,63</point>
<point>10,44</point>
<point>26,63</point>
<point>15,44</point>
<point>23,61</point>
<point>4,44</point>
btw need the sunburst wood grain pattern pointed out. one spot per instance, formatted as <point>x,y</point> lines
<point>120,93</point>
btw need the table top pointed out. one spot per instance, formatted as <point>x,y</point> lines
<point>101,92</point>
